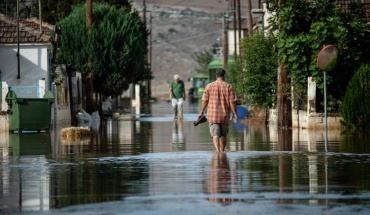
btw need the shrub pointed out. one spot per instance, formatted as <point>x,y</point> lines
<point>355,109</point>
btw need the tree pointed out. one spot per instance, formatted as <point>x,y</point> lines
<point>115,47</point>
<point>254,74</point>
<point>304,27</point>
<point>9,8</point>
<point>203,59</point>
<point>54,11</point>
<point>355,109</point>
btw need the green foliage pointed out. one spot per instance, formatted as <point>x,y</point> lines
<point>114,50</point>
<point>54,11</point>
<point>304,27</point>
<point>254,73</point>
<point>9,8</point>
<point>72,42</point>
<point>203,59</point>
<point>355,109</point>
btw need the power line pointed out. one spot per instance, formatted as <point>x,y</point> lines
<point>186,38</point>
<point>176,4</point>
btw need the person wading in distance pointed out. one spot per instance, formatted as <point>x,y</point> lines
<point>177,96</point>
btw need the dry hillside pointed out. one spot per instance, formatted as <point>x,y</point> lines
<point>180,28</point>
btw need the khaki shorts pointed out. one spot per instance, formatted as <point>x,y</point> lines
<point>219,129</point>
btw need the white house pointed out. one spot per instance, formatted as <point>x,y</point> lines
<point>28,73</point>
<point>25,72</point>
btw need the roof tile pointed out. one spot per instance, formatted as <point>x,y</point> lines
<point>29,30</point>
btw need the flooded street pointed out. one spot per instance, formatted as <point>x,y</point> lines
<point>148,163</point>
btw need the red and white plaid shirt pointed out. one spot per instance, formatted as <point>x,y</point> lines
<point>219,95</point>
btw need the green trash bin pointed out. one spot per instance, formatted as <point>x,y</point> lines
<point>31,114</point>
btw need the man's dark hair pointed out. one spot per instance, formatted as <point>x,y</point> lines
<point>220,73</point>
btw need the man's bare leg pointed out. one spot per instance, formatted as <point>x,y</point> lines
<point>215,143</point>
<point>222,144</point>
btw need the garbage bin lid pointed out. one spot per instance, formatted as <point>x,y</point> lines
<point>49,95</point>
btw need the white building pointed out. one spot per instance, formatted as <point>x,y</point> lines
<point>29,73</point>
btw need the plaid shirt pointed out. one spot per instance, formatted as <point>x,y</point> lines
<point>219,95</point>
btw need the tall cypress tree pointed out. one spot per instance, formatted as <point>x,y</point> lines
<point>115,48</point>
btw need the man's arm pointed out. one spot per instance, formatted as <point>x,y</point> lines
<point>232,102</point>
<point>233,109</point>
<point>203,107</point>
<point>170,93</point>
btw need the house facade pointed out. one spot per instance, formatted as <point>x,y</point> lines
<point>26,66</point>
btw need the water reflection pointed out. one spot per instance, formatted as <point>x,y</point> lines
<point>178,138</point>
<point>154,156</point>
<point>219,179</point>
<point>96,181</point>
<point>29,144</point>
<point>285,140</point>
<point>27,180</point>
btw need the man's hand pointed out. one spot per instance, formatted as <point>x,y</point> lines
<point>200,115</point>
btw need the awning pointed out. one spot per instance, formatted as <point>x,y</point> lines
<point>217,63</point>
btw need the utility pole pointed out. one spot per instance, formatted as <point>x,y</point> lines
<point>284,103</point>
<point>148,57</point>
<point>235,30</point>
<point>90,105</point>
<point>144,13</point>
<point>18,54</point>
<point>249,18</point>
<point>88,14</point>
<point>225,41</point>
<point>150,43</point>
<point>239,23</point>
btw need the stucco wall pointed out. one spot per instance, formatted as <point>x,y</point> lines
<point>4,125</point>
<point>61,116</point>
<point>34,64</point>
<point>300,119</point>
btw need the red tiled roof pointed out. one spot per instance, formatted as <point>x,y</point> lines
<point>29,30</point>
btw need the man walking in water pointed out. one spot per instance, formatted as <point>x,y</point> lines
<point>177,96</point>
<point>220,98</point>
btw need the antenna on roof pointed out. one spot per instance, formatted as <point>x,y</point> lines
<point>40,16</point>
<point>18,54</point>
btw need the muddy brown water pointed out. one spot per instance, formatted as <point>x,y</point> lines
<point>148,163</point>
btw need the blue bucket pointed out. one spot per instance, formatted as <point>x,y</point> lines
<point>241,112</point>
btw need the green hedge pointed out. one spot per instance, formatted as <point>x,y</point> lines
<point>355,109</point>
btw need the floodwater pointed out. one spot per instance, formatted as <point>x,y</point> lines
<point>148,163</point>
